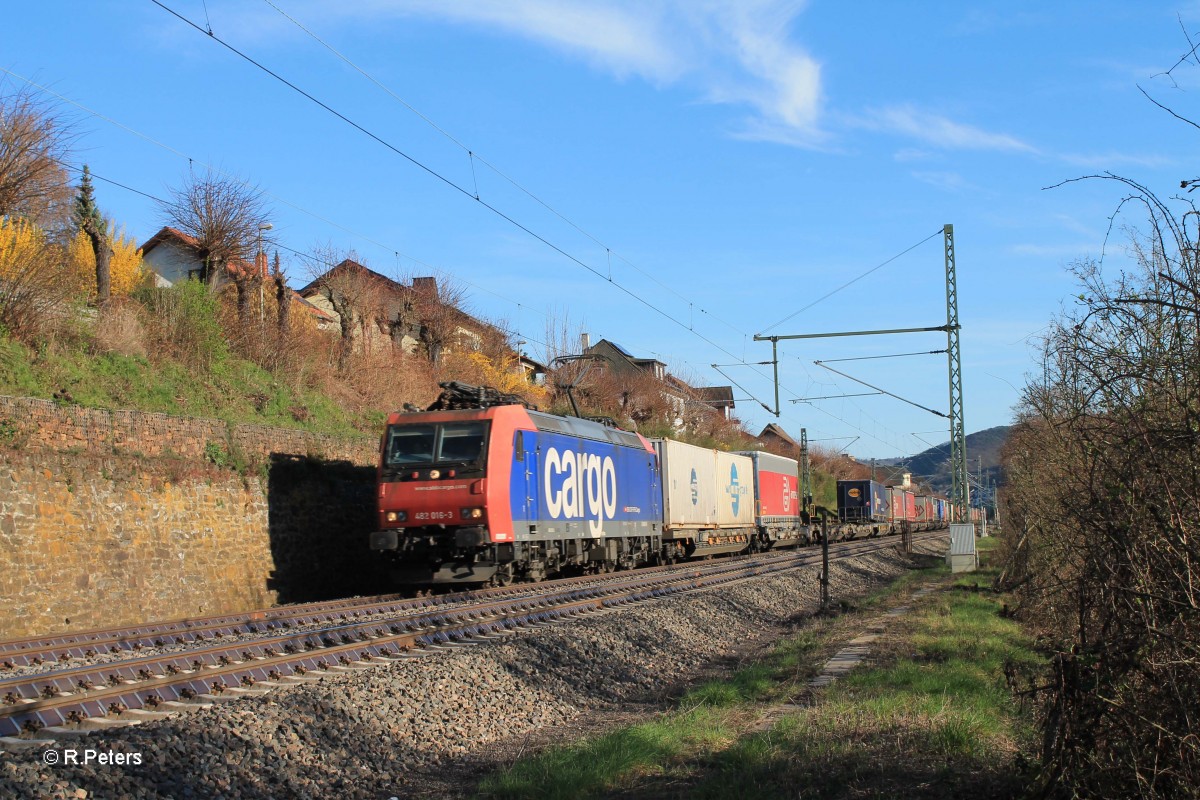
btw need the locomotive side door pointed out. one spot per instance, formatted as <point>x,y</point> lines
<point>527,450</point>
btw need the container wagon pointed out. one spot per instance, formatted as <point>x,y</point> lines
<point>777,517</point>
<point>707,500</point>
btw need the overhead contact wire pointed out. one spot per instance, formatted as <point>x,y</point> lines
<point>434,173</point>
<point>476,157</point>
<point>849,283</point>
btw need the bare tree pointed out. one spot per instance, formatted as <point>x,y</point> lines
<point>354,292</point>
<point>227,218</point>
<point>438,312</point>
<point>35,145</point>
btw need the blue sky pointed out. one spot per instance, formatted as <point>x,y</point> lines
<point>727,164</point>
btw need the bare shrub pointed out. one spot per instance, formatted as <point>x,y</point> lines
<point>119,328</point>
<point>1103,536</point>
<point>388,379</point>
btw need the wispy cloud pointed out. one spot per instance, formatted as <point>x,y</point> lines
<point>1112,161</point>
<point>625,40</point>
<point>936,130</point>
<point>740,54</point>
<point>950,181</point>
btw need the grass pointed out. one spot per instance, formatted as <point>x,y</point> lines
<point>233,390</point>
<point>929,714</point>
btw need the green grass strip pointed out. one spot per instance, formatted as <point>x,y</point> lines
<point>929,715</point>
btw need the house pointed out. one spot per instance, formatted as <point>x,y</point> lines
<point>683,397</point>
<point>719,397</point>
<point>172,256</point>
<point>381,312</point>
<point>773,434</point>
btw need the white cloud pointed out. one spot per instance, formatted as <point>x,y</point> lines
<point>1113,161</point>
<point>625,41</point>
<point>938,131</point>
<point>739,54</point>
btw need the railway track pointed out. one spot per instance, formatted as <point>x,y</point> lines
<point>67,700</point>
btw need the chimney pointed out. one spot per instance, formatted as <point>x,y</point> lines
<point>585,341</point>
<point>426,286</point>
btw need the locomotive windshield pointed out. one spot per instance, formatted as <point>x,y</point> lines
<point>438,443</point>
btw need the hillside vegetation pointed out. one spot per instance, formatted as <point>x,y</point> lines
<point>83,320</point>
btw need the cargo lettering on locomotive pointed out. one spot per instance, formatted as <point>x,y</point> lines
<point>580,485</point>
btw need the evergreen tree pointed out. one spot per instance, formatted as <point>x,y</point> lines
<point>91,222</point>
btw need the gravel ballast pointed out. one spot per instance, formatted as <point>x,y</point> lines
<point>416,727</point>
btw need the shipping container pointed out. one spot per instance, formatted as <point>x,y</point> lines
<point>776,498</point>
<point>904,506</point>
<point>862,501</point>
<point>776,487</point>
<point>708,500</point>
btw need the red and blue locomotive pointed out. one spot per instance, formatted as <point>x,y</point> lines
<point>504,492</point>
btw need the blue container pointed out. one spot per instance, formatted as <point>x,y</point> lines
<point>862,501</point>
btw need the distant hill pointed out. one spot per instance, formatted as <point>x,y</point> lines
<point>933,465</point>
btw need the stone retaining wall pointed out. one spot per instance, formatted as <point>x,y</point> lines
<point>114,517</point>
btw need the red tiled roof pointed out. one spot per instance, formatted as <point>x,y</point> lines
<point>167,233</point>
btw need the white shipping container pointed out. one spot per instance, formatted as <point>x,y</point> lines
<point>735,490</point>
<point>702,488</point>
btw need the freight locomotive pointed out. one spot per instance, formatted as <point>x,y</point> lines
<point>481,489</point>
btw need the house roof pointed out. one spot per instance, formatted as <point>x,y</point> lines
<point>619,349</point>
<point>316,311</point>
<point>774,431</point>
<point>168,234</point>
<point>716,394</point>
<point>350,265</point>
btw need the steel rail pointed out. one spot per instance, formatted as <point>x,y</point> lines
<point>64,647</point>
<point>71,696</point>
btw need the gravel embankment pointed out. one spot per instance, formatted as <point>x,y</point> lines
<point>418,727</point>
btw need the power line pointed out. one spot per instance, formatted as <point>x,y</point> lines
<point>439,176</point>
<point>893,355</point>
<point>851,282</point>
<point>474,156</point>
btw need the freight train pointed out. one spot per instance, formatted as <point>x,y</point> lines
<point>481,489</point>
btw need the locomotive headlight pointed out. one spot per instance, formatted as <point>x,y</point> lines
<point>396,516</point>
<point>472,513</point>
<point>434,474</point>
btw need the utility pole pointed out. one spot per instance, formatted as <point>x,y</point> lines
<point>824,561</point>
<point>806,493</point>
<point>960,492</point>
